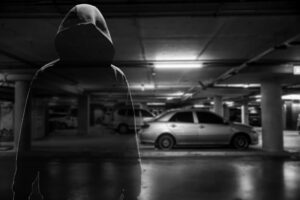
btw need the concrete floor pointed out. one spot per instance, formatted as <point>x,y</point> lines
<point>215,179</point>
<point>178,179</point>
<point>181,174</point>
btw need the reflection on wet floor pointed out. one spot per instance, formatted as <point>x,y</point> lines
<point>178,179</point>
<point>92,177</point>
<point>84,179</point>
<point>220,179</point>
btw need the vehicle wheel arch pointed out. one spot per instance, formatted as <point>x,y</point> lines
<point>163,134</point>
<point>237,134</point>
<point>240,133</point>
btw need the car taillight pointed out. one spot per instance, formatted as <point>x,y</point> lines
<point>145,126</point>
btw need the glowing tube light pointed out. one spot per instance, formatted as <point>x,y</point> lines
<point>178,65</point>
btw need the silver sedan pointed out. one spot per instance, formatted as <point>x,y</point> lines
<point>195,127</point>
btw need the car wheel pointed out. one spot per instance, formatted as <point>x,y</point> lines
<point>123,128</point>
<point>165,142</point>
<point>240,141</point>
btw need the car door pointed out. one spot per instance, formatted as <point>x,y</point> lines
<point>182,125</point>
<point>212,129</point>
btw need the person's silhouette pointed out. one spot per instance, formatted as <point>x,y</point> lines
<point>94,165</point>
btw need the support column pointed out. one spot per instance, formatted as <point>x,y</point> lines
<point>218,107</point>
<point>245,113</point>
<point>21,90</point>
<point>226,113</point>
<point>289,116</point>
<point>272,126</point>
<point>83,114</point>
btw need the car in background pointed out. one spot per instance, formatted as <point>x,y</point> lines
<point>195,127</point>
<point>107,116</point>
<point>125,119</point>
<point>62,121</point>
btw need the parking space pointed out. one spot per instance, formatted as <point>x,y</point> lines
<point>207,175</point>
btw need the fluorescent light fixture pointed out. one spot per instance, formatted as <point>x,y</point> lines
<point>178,65</point>
<point>142,87</point>
<point>291,97</point>
<point>229,103</point>
<point>199,106</point>
<point>283,97</point>
<point>239,85</point>
<point>188,94</point>
<point>296,69</point>
<point>177,94</point>
<point>149,87</point>
<point>156,104</point>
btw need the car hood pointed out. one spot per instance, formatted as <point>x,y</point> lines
<point>241,127</point>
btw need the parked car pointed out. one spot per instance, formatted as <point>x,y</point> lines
<point>195,127</point>
<point>123,118</point>
<point>62,121</point>
<point>107,117</point>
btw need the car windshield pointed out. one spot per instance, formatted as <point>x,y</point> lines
<point>161,115</point>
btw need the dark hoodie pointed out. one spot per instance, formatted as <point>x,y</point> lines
<point>83,36</point>
<point>85,51</point>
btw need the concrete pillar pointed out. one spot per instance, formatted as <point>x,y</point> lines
<point>245,113</point>
<point>272,126</point>
<point>289,116</point>
<point>226,112</point>
<point>83,114</point>
<point>218,107</point>
<point>21,91</point>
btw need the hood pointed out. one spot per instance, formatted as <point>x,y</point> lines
<point>241,126</point>
<point>83,36</point>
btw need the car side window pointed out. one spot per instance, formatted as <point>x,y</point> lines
<point>209,118</point>
<point>146,113</point>
<point>186,117</point>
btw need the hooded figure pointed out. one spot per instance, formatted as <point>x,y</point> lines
<point>83,37</point>
<point>97,164</point>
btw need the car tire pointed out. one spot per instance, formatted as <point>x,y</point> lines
<point>123,129</point>
<point>240,141</point>
<point>165,142</point>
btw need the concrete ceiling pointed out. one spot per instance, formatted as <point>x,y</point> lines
<point>237,42</point>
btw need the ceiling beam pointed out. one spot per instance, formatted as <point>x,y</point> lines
<point>235,70</point>
<point>18,67</point>
<point>55,9</point>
